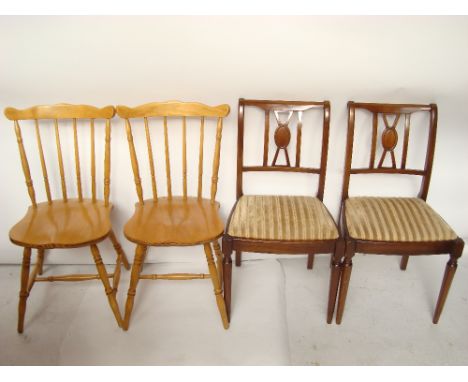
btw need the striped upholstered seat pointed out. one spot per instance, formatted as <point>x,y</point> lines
<point>266,217</point>
<point>395,219</point>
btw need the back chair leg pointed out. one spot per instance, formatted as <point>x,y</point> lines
<point>119,250</point>
<point>110,292</point>
<point>135,276</point>
<point>219,261</point>
<point>346,268</point>
<point>450,270</point>
<point>23,296</point>
<point>238,258</point>
<point>216,285</point>
<point>334,279</point>
<point>404,262</point>
<point>40,260</point>
<point>310,261</point>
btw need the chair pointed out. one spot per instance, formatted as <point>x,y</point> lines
<point>394,225</point>
<point>282,224</point>
<point>66,222</point>
<point>175,220</point>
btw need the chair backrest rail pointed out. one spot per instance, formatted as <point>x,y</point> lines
<point>134,160</point>
<point>168,160</point>
<point>42,159</point>
<point>184,156</point>
<point>25,164</point>
<point>151,159</point>
<point>200,158</point>
<point>77,161</point>
<point>60,160</point>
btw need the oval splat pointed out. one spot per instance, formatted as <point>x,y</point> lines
<point>389,139</point>
<point>282,136</point>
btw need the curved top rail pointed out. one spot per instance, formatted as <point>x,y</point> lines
<point>173,109</point>
<point>59,111</point>
<point>391,107</point>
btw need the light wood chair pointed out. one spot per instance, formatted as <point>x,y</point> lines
<point>283,224</point>
<point>66,222</point>
<point>175,220</point>
<point>393,225</point>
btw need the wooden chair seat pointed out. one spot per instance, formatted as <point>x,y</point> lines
<point>63,224</point>
<point>174,221</point>
<point>395,219</point>
<point>281,217</point>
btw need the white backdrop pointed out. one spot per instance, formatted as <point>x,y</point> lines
<point>134,60</point>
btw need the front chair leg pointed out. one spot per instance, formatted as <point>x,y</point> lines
<point>404,262</point>
<point>219,261</point>
<point>450,270</point>
<point>227,273</point>
<point>23,296</point>
<point>216,285</point>
<point>118,249</point>
<point>346,268</point>
<point>135,276</point>
<point>334,279</point>
<point>110,292</point>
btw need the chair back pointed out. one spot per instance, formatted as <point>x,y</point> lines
<point>80,116</point>
<point>174,113</point>
<point>283,112</point>
<point>392,116</point>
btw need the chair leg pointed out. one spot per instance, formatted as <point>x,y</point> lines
<point>219,261</point>
<point>310,261</point>
<point>227,272</point>
<point>135,276</point>
<point>238,258</point>
<point>110,292</point>
<point>40,260</point>
<point>346,268</point>
<point>23,295</point>
<point>216,285</point>
<point>334,279</point>
<point>404,262</point>
<point>450,270</point>
<point>119,250</point>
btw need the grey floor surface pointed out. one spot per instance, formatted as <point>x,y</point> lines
<point>278,317</point>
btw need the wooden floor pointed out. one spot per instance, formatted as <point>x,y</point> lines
<point>278,318</point>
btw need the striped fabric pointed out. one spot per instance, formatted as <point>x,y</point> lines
<point>268,217</point>
<point>395,219</point>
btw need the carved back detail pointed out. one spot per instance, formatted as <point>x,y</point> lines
<point>283,138</point>
<point>169,111</point>
<point>78,114</point>
<point>389,141</point>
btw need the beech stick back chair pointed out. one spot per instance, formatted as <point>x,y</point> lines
<point>282,224</point>
<point>65,222</point>
<point>394,225</point>
<point>175,220</point>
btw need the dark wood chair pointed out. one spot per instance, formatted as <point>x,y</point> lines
<point>393,225</point>
<point>281,224</point>
<point>66,222</point>
<point>175,220</point>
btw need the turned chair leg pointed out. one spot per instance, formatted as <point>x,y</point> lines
<point>450,270</point>
<point>404,262</point>
<point>23,295</point>
<point>346,268</point>
<point>238,258</point>
<point>216,285</point>
<point>119,250</point>
<point>110,292</point>
<point>135,276</point>
<point>227,272</point>
<point>40,260</point>
<point>334,279</point>
<point>219,261</point>
<point>310,261</point>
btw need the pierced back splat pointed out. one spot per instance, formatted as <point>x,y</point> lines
<point>282,137</point>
